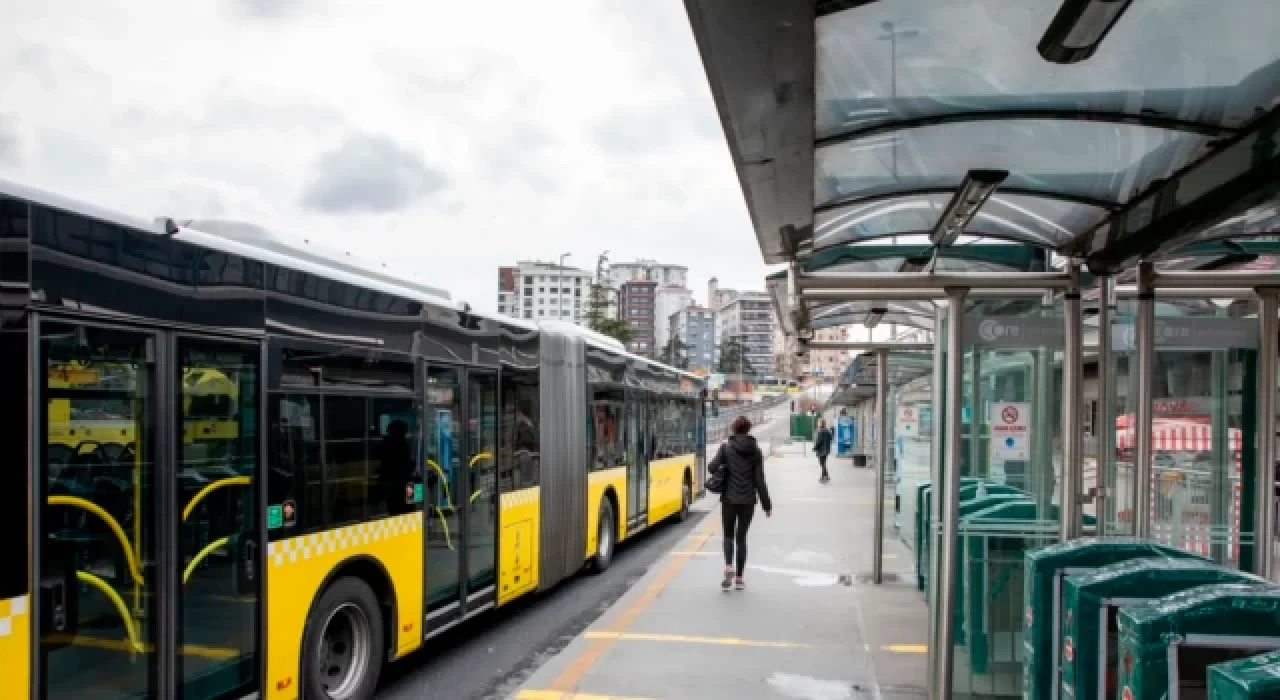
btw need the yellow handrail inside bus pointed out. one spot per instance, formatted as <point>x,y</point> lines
<point>448,497</point>
<point>478,457</point>
<point>199,557</point>
<point>77,502</point>
<point>476,495</point>
<point>121,608</point>
<point>229,481</point>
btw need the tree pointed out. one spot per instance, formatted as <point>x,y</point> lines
<point>597,306</point>
<point>733,358</point>
<point>675,353</point>
<point>614,328</point>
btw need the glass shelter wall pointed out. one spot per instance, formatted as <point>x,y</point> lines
<point>1009,462</point>
<point>1203,436</point>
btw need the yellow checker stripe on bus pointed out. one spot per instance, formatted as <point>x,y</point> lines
<point>304,547</point>
<point>15,641</point>
<point>512,499</point>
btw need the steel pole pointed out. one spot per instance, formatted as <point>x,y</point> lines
<point>1071,481</point>
<point>946,601</point>
<point>937,411</point>
<point>1264,489</point>
<point>1105,425</point>
<point>1144,332</point>
<point>882,459</point>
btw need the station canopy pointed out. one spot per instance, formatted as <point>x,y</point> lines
<point>1103,131</point>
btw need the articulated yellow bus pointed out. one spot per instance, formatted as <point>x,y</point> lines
<point>254,469</point>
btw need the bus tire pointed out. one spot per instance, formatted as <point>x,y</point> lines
<point>342,646</point>
<point>686,498</point>
<point>606,537</point>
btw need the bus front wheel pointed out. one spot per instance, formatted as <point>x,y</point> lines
<point>343,643</point>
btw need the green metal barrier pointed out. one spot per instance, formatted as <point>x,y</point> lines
<point>1255,678</point>
<point>1173,640</point>
<point>1046,567</point>
<point>1090,602</point>
<point>924,502</point>
<point>994,542</point>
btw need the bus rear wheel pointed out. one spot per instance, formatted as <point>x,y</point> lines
<point>686,499</point>
<point>343,643</point>
<point>606,537</point>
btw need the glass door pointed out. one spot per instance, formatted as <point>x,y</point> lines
<point>482,504</point>
<point>97,474</point>
<point>215,480</point>
<point>446,484</point>
<point>638,461</point>
<point>148,468</point>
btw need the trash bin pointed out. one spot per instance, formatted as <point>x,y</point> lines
<point>1168,644</point>
<point>1090,602</point>
<point>1254,678</point>
<point>1045,569</point>
<point>860,460</point>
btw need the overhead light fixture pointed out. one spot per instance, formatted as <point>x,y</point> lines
<point>973,193</point>
<point>1078,28</point>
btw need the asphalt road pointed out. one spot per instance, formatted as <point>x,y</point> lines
<point>489,658</point>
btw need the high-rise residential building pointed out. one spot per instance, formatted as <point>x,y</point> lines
<point>748,319</point>
<point>695,327</point>
<point>636,306</point>
<point>718,296</point>
<point>651,270</point>
<point>828,363</point>
<point>540,291</point>
<point>668,299</point>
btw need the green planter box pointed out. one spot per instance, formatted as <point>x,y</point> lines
<point>1091,602</point>
<point>1176,638</point>
<point>1255,678</point>
<point>1045,569</point>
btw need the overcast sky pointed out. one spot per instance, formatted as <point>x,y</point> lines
<point>445,138</point>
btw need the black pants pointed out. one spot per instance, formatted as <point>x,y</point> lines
<point>736,519</point>
<point>822,461</point>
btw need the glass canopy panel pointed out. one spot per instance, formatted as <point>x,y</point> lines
<point>1207,62</point>
<point>944,264</point>
<point>819,321</point>
<point>1090,160</point>
<point>1048,223</point>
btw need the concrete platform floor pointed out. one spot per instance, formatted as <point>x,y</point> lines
<point>808,626</point>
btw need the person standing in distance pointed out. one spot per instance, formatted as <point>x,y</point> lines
<point>743,466</point>
<point>822,448</point>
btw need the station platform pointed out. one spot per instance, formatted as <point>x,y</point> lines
<point>809,624</point>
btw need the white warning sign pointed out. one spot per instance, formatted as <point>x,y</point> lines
<point>908,424</point>
<point>1010,434</point>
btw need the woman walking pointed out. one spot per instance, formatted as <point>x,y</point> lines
<point>822,448</point>
<point>743,465</point>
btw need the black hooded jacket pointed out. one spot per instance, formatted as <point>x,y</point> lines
<point>744,477</point>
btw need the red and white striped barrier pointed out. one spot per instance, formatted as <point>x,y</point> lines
<point>1179,436</point>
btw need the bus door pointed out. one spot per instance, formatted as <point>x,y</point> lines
<point>641,451</point>
<point>482,503</point>
<point>148,542</point>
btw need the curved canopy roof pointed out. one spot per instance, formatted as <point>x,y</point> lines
<point>860,120</point>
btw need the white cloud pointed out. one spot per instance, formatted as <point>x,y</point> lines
<point>514,130</point>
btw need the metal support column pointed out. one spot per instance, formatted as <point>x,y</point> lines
<point>1264,489</point>
<point>1071,480</point>
<point>937,412</point>
<point>883,455</point>
<point>945,604</point>
<point>1105,422</point>
<point>1143,365</point>
<point>976,417</point>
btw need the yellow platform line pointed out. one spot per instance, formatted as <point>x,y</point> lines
<point>694,639</point>
<point>568,679</point>
<point>557,695</point>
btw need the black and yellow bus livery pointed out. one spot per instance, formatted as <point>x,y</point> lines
<point>312,466</point>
